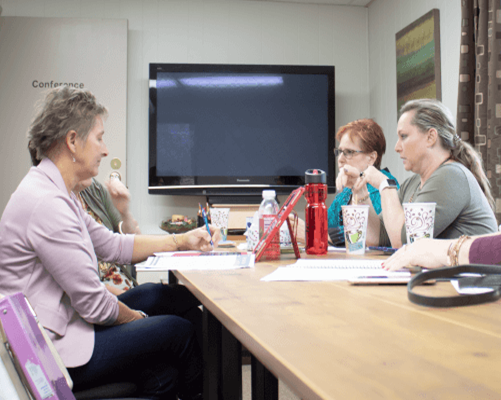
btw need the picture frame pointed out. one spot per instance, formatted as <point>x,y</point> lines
<point>418,59</point>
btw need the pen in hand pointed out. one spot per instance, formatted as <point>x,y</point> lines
<point>206,223</point>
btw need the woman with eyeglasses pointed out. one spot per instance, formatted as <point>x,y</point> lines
<point>361,145</point>
<point>447,171</point>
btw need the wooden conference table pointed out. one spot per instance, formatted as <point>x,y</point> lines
<point>330,340</point>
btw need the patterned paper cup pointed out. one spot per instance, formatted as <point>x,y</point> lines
<point>355,227</point>
<point>252,237</point>
<point>219,218</point>
<point>419,220</point>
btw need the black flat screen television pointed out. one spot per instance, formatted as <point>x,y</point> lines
<point>230,131</point>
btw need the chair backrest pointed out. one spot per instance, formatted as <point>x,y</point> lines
<point>32,354</point>
<point>11,387</point>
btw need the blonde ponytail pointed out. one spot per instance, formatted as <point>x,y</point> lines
<point>464,153</point>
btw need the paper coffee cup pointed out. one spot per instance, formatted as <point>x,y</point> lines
<point>355,227</point>
<point>219,218</point>
<point>419,220</point>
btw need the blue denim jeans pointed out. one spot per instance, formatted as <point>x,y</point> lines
<point>162,353</point>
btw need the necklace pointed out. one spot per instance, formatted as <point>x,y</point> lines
<point>417,187</point>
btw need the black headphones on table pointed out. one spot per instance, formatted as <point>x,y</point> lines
<point>490,278</point>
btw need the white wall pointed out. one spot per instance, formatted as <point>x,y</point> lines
<point>37,53</point>
<point>386,18</point>
<point>219,32</point>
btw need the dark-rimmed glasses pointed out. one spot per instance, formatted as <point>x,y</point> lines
<point>347,153</point>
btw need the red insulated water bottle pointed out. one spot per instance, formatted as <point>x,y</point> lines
<point>316,212</point>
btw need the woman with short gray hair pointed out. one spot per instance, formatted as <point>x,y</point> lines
<point>447,171</point>
<point>49,248</point>
<point>59,112</point>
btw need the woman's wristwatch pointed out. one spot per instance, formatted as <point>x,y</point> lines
<point>388,183</point>
<point>143,314</point>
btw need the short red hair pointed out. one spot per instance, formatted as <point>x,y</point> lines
<point>369,133</point>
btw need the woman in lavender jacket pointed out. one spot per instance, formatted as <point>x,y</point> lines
<point>48,248</point>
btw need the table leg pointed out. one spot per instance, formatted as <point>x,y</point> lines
<point>212,355</point>
<point>264,383</point>
<point>172,278</point>
<point>231,373</point>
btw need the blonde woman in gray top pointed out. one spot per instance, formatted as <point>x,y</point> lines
<point>447,171</point>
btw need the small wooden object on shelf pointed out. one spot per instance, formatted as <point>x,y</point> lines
<point>178,224</point>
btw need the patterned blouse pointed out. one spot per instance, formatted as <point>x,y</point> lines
<point>110,273</point>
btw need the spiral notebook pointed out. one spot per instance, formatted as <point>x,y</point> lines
<point>332,270</point>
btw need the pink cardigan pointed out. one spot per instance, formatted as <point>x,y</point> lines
<point>48,248</point>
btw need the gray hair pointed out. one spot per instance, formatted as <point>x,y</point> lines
<point>63,109</point>
<point>432,114</point>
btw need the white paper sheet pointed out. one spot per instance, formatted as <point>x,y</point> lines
<point>197,262</point>
<point>331,270</point>
<point>469,290</point>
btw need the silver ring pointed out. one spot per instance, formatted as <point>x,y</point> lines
<point>362,174</point>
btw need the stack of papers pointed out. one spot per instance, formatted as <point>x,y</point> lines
<point>184,261</point>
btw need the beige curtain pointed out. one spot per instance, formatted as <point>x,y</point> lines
<point>479,99</point>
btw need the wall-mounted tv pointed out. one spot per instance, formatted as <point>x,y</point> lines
<point>220,130</point>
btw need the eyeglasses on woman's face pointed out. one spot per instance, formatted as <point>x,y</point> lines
<point>347,153</point>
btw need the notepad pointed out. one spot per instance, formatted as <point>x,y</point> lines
<point>197,262</point>
<point>331,270</point>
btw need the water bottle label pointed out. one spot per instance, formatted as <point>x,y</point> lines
<point>272,251</point>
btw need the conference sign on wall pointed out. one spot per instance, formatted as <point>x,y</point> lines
<point>53,84</point>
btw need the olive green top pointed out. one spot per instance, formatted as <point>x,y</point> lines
<point>462,208</point>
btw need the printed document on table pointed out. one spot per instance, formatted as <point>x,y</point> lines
<point>197,262</point>
<point>475,289</point>
<point>332,270</point>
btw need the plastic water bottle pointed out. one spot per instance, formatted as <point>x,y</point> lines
<point>316,212</point>
<point>267,213</point>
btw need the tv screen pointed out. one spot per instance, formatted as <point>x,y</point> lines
<point>235,130</point>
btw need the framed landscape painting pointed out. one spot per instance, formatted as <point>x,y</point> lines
<point>418,59</point>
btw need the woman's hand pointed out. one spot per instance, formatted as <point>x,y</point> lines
<point>120,195</point>
<point>340,179</point>
<point>347,177</point>
<point>352,179</point>
<point>199,239</point>
<point>426,253</point>
<point>371,176</point>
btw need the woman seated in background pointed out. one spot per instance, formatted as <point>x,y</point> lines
<point>447,171</point>
<point>49,248</point>
<point>109,206</point>
<point>361,145</point>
